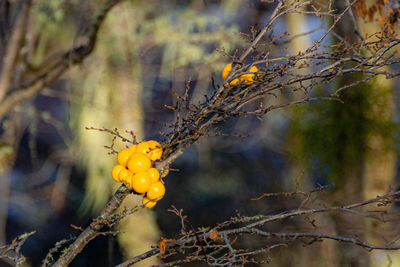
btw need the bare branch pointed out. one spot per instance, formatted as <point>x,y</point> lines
<point>13,48</point>
<point>72,57</point>
<point>193,121</point>
<point>13,250</point>
<point>92,231</point>
<point>273,18</point>
<point>190,240</point>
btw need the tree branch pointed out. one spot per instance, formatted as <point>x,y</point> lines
<point>194,121</point>
<point>13,48</point>
<point>92,231</point>
<point>190,239</point>
<point>13,250</point>
<point>72,57</point>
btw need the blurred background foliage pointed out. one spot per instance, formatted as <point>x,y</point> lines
<point>146,50</point>
<point>331,137</point>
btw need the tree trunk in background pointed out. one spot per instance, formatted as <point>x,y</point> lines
<point>361,125</point>
<point>297,173</point>
<point>352,180</point>
<point>114,88</point>
<point>139,231</point>
<point>296,24</point>
<point>8,147</point>
<point>380,163</point>
<point>11,39</point>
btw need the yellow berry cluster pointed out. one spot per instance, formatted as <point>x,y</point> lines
<point>246,79</point>
<point>134,170</point>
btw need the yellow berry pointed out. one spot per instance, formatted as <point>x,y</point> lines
<point>155,154</point>
<point>156,191</point>
<point>165,173</point>
<point>141,182</point>
<point>143,147</point>
<point>138,162</point>
<point>226,70</point>
<point>123,156</point>
<point>248,78</point>
<point>153,144</point>
<point>155,150</point>
<point>133,148</point>
<point>148,203</point>
<point>154,175</point>
<point>125,176</point>
<point>115,171</point>
<point>225,73</point>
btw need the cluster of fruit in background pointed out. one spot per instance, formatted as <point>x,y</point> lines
<point>135,171</point>
<point>246,79</point>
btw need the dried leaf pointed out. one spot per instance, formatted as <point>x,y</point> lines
<point>383,20</point>
<point>213,235</point>
<point>163,245</point>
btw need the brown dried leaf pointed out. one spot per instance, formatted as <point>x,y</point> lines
<point>163,245</point>
<point>213,235</point>
<point>383,20</point>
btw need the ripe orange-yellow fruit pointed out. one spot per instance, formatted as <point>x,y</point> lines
<point>225,73</point>
<point>148,203</point>
<point>123,156</point>
<point>249,78</point>
<point>154,175</point>
<point>165,173</point>
<point>115,171</point>
<point>143,147</point>
<point>155,150</point>
<point>125,176</point>
<point>153,144</point>
<point>155,154</point>
<point>138,162</point>
<point>133,148</point>
<point>156,191</point>
<point>141,182</point>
